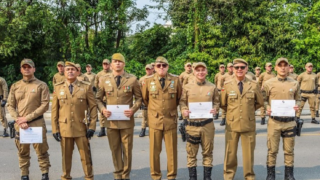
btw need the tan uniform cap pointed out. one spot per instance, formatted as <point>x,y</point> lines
<point>291,65</point>
<point>119,57</point>
<point>238,60</point>
<point>60,63</point>
<point>268,64</point>
<point>106,61</point>
<point>188,63</point>
<point>221,65</point>
<point>71,64</point>
<point>257,68</point>
<point>161,59</point>
<point>78,66</point>
<point>194,64</point>
<point>200,64</point>
<point>230,65</point>
<point>309,64</point>
<point>88,65</point>
<point>279,60</point>
<point>27,61</point>
<point>149,66</point>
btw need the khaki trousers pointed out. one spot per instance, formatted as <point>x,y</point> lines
<point>248,143</point>
<point>121,144</point>
<point>144,122</point>
<point>312,102</point>
<point>262,109</point>
<point>3,118</point>
<point>67,146</point>
<point>41,151</point>
<point>318,100</point>
<point>170,140</point>
<point>207,136</point>
<point>274,133</point>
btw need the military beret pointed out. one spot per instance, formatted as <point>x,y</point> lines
<point>238,60</point>
<point>68,63</point>
<point>161,59</point>
<point>106,61</point>
<point>60,63</point>
<point>27,61</point>
<point>200,64</point>
<point>279,60</point>
<point>119,57</point>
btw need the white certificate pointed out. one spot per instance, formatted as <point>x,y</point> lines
<point>283,108</point>
<point>117,112</point>
<point>31,135</point>
<point>200,110</point>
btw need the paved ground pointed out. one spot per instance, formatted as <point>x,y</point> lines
<point>307,156</point>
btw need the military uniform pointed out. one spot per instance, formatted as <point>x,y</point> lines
<point>318,96</point>
<point>69,120</point>
<point>308,86</point>
<point>82,77</point>
<point>185,74</point>
<point>91,77</point>
<point>293,76</point>
<point>3,99</point>
<point>120,132</point>
<point>257,75</point>
<point>30,99</point>
<point>251,76</point>
<point>162,113</point>
<point>144,122</point>
<point>227,77</point>
<point>200,131</point>
<point>189,79</point>
<point>240,108</point>
<point>58,77</point>
<point>218,82</point>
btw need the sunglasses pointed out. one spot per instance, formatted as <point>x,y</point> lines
<point>188,65</point>
<point>163,65</point>
<point>148,69</point>
<point>241,67</point>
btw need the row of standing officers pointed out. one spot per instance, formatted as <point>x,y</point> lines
<point>161,94</point>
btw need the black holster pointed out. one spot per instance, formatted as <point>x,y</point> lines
<point>299,126</point>
<point>182,129</point>
<point>12,129</point>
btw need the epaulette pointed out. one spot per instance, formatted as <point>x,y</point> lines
<point>174,75</point>
<point>85,82</point>
<point>151,76</point>
<point>59,83</point>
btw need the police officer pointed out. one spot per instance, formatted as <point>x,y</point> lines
<point>69,125</point>
<point>3,99</point>
<point>106,69</point>
<point>200,130</point>
<point>240,98</point>
<point>186,73</point>
<point>281,88</point>
<point>217,81</point>
<point>227,77</point>
<point>308,87</point>
<point>291,72</point>
<point>263,78</point>
<point>59,76</point>
<point>91,76</point>
<point>144,123</point>
<point>81,77</point>
<point>27,102</point>
<point>119,88</point>
<point>257,73</point>
<point>161,93</point>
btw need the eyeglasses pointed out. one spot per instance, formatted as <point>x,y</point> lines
<point>163,65</point>
<point>241,67</point>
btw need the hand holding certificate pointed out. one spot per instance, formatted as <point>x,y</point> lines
<point>200,110</point>
<point>283,108</point>
<point>31,135</point>
<point>118,112</point>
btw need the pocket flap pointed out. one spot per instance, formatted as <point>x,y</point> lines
<point>109,89</point>
<point>172,91</point>
<point>62,96</point>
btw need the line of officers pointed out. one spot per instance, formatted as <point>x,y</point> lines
<point>78,97</point>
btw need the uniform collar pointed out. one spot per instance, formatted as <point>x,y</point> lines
<point>282,79</point>
<point>308,72</point>
<point>107,71</point>
<point>189,72</point>
<point>89,73</point>
<point>201,83</point>
<point>73,84</point>
<point>269,72</point>
<point>62,74</point>
<point>30,80</point>
<point>230,73</point>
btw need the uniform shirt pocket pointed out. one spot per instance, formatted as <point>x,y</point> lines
<point>172,93</point>
<point>62,98</point>
<point>154,94</point>
<point>109,91</point>
<point>249,96</point>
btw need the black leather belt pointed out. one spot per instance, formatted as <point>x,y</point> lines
<point>198,123</point>
<point>40,117</point>
<point>308,92</point>
<point>282,119</point>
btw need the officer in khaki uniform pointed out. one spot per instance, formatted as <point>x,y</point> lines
<point>119,88</point>
<point>257,71</point>
<point>106,69</point>
<point>59,76</point>
<point>217,80</point>
<point>265,76</point>
<point>281,88</point>
<point>227,77</point>
<point>81,77</point>
<point>308,82</point>
<point>186,73</point>
<point>200,131</point>
<point>291,72</point>
<point>318,96</point>
<point>91,76</point>
<point>69,124</point>
<point>27,102</point>
<point>3,99</point>
<point>144,123</point>
<point>161,93</point>
<point>240,97</point>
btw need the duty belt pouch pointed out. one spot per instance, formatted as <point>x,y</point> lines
<point>289,133</point>
<point>304,99</point>
<point>17,136</point>
<point>193,140</point>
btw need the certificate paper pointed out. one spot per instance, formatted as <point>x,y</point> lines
<point>117,112</point>
<point>31,135</point>
<point>200,110</point>
<point>283,108</point>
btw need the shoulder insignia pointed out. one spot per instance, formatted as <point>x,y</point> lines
<point>59,83</point>
<point>85,82</point>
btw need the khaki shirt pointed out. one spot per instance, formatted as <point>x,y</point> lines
<point>281,89</point>
<point>257,77</point>
<point>91,76</point>
<point>294,76</point>
<point>29,99</point>
<point>82,77</point>
<point>99,75</point>
<point>265,76</point>
<point>217,80</point>
<point>57,78</point>
<point>318,76</point>
<point>200,92</point>
<point>184,76</point>
<point>308,81</point>
<point>162,103</point>
<point>122,95</point>
<point>3,88</point>
<point>226,77</point>
<point>251,76</point>
<point>240,108</point>
<point>189,79</point>
<point>68,110</point>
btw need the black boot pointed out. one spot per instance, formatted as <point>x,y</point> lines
<point>217,116</point>
<point>223,122</point>
<point>263,121</point>
<point>271,173</point>
<point>193,173</point>
<point>25,177</point>
<point>45,176</point>
<point>288,173</point>
<point>317,113</point>
<point>207,173</point>
<point>143,132</point>
<point>314,121</point>
<point>102,132</point>
<point>5,134</point>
